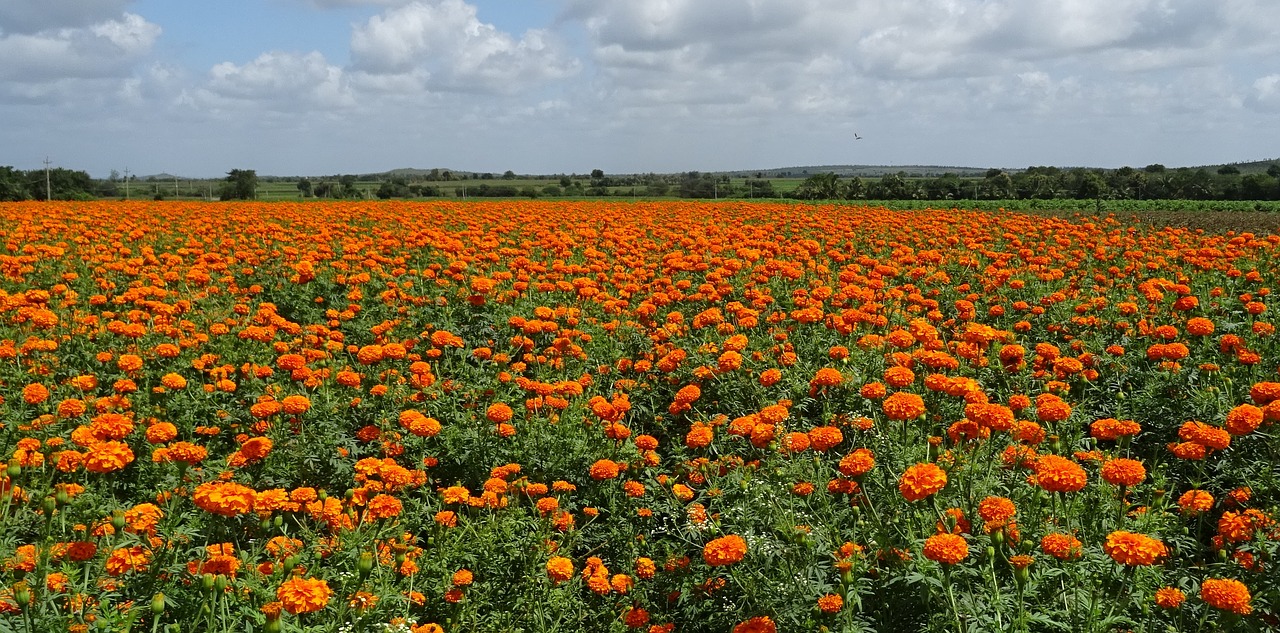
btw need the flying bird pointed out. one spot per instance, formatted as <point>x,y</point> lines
<point>856,137</point>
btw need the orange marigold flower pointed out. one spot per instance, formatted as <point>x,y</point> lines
<point>903,406</point>
<point>1128,548</point>
<point>173,381</point>
<point>725,550</point>
<point>825,377</point>
<point>1193,502</point>
<point>946,548</point>
<point>758,624</point>
<point>303,595</point>
<point>824,438</point>
<point>996,512</point>
<point>498,413</point>
<point>830,603</point>
<point>1244,419</point>
<point>35,393</point>
<point>295,405</point>
<point>559,569</point>
<point>604,469</point>
<point>1124,472</point>
<point>1051,408</point>
<point>383,507</point>
<point>161,432</point>
<point>1059,474</point>
<point>857,463</point>
<point>1061,546</point>
<point>699,436</point>
<point>108,457</point>
<point>462,577</point>
<point>1169,597</point>
<point>1226,594</point>
<point>921,481</point>
<point>124,560</point>
<point>224,498</point>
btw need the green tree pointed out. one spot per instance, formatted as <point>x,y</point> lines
<point>304,186</point>
<point>13,185</point>
<point>819,187</point>
<point>240,184</point>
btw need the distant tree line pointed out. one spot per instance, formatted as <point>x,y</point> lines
<point>64,184</point>
<point>1153,182</point>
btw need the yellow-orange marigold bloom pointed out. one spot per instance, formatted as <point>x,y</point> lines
<point>1226,594</point>
<point>559,569</point>
<point>129,363</point>
<point>1193,502</point>
<point>303,595</point>
<point>127,559</point>
<point>462,577</point>
<point>224,498</point>
<point>946,548</point>
<point>1059,474</point>
<point>498,413</point>
<point>1051,408</point>
<point>161,432</point>
<point>899,377</point>
<point>903,406</point>
<point>1244,419</point>
<point>383,507</point>
<point>699,436</point>
<point>1169,597</point>
<point>295,405</point>
<point>824,438</point>
<point>758,624</point>
<point>830,603</point>
<point>1124,472</point>
<point>996,512</point>
<point>1061,546</point>
<point>108,457</point>
<point>725,550</point>
<point>35,393</point>
<point>1128,548</point>
<point>173,381</point>
<point>604,469</point>
<point>857,463</point>
<point>921,481</point>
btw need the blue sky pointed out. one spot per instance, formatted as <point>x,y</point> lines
<point>317,87</point>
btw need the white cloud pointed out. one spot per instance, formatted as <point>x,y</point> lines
<point>1266,93</point>
<point>445,42</point>
<point>283,81</point>
<point>107,48</point>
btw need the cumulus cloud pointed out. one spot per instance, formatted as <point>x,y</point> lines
<point>639,44</point>
<point>281,81</point>
<point>1266,93</point>
<point>106,48</point>
<point>446,42</point>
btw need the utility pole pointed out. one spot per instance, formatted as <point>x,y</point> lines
<point>126,183</point>
<point>48,193</point>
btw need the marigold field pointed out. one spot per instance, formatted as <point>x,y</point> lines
<point>600,416</point>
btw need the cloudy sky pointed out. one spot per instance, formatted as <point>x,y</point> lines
<point>291,87</point>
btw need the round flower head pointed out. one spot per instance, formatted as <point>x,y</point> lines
<point>1226,594</point>
<point>921,481</point>
<point>725,550</point>
<point>946,548</point>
